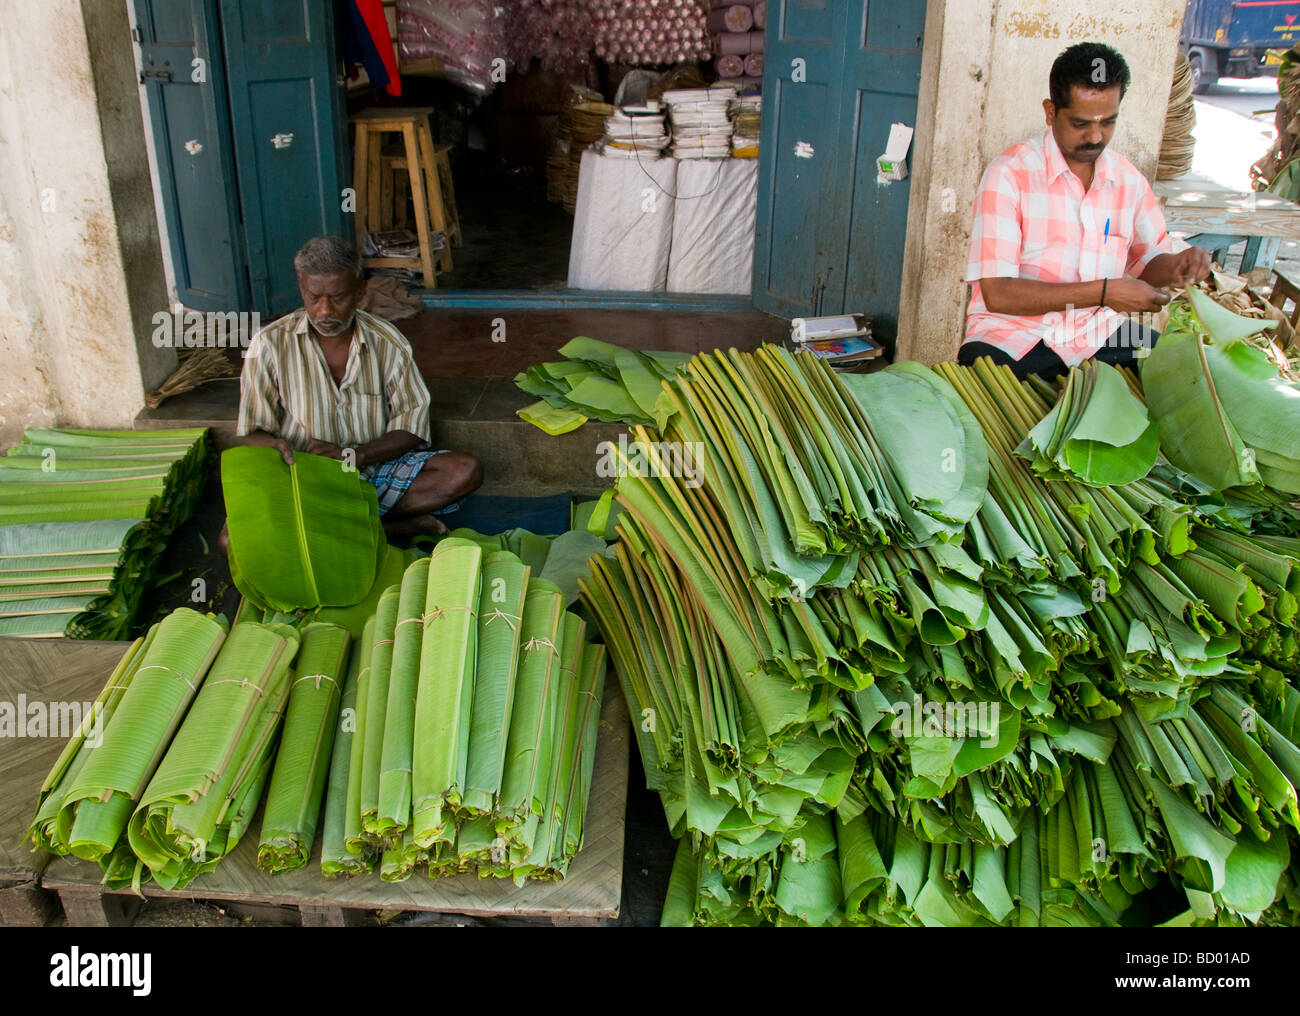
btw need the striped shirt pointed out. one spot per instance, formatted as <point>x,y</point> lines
<point>286,387</point>
<point>1033,220</point>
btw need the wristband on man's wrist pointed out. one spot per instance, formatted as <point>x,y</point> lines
<point>1103,293</point>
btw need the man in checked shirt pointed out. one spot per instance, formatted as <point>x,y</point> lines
<point>1068,237</point>
<point>332,380</point>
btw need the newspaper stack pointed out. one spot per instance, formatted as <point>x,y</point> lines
<point>635,132</point>
<point>746,112</point>
<point>701,126</point>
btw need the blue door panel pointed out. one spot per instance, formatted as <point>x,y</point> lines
<point>799,85</point>
<point>806,21</point>
<point>189,120</point>
<point>797,186</point>
<point>830,238</point>
<point>286,112</point>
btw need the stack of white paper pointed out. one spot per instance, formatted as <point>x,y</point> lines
<point>700,122</point>
<point>635,132</point>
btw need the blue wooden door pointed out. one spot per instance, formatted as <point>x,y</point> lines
<point>184,76</point>
<point>290,135</point>
<point>837,74</point>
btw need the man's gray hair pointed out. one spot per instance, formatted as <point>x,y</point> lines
<point>326,255</point>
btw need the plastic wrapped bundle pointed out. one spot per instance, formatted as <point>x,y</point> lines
<point>465,35</point>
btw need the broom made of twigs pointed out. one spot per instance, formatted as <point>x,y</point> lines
<point>197,367</point>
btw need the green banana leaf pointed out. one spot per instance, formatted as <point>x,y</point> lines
<point>442,713</point>
<point>500,613</point>
<point>303,759</point>
<point>335,858</point>
<point>98,803</point>
<point>1196,432</point>
<point>301,536</point>
<point>208,784</point>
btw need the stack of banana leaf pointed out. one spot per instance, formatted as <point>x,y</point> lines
<point>85,516</point>
<point>475,699</point>
<point>945,648</point>
<point>596,380</point>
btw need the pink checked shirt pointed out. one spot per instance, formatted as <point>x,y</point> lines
<point>1033,220</point>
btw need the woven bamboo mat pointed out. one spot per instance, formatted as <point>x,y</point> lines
<point>592,888</point>
<point>44,672</point>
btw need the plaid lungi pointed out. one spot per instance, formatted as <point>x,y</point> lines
<point>393,478</point>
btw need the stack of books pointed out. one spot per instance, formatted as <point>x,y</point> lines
<point>843,341</point>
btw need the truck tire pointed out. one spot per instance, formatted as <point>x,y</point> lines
<point>1205,69</point>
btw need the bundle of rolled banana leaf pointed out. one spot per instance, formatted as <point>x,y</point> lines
<point>476,698</point>
<point>942,647</point>
<point>85,516</point>
<point>167,772</point>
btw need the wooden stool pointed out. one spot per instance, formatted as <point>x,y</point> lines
<point>394,186</point>
<point>1284,289</point>
<point>368,180</point>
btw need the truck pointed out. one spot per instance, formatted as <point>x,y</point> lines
<point>1223,39</point>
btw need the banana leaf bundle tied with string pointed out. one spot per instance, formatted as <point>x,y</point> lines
<point>90,796</point>
<point>473,732</point>
<point>84,518</point>
<point>942,729</point>
<point>443,706</point>
<point>203,794</point>
<point>336,859</point>
<point>302,761</point>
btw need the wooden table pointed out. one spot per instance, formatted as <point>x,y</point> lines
<point>42,671</point>
<point>1215,218</point>
<point>591,892</point>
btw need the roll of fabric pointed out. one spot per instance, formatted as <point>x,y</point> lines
<point>760,14</point>
<point>731,66</point>
<point>736,18</point>
<point>738,43</point>
<point>754,65</point>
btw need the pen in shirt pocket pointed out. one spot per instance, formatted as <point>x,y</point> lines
<point>1105,236</point>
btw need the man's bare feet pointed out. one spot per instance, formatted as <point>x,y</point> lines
<point>415,525</point>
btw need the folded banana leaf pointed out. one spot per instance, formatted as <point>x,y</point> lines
<point>98,803</point>
<point>303,759</point>
<point>500,613</point>
<point>580,760</point>
<point>528,747</point>
<point>204,791</point>
<point>43,832</point>
<point>1098,432</point>
<point>381,664</point>
<point>335,858</point>
<point>357,843</point>
<point>395,771</point>
<point>563,738</point>
<point>443,705</point>
<point>301,536</point>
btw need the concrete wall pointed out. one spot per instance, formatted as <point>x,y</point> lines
<point>983,79</point>
<point>81,272</point>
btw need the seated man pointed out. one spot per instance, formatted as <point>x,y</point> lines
<point>333,380</point>
<point>1068,238</point>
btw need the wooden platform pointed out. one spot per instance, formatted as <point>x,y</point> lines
<point>1215,217</point>
<point>589,895</point>
<point>45,671</point>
